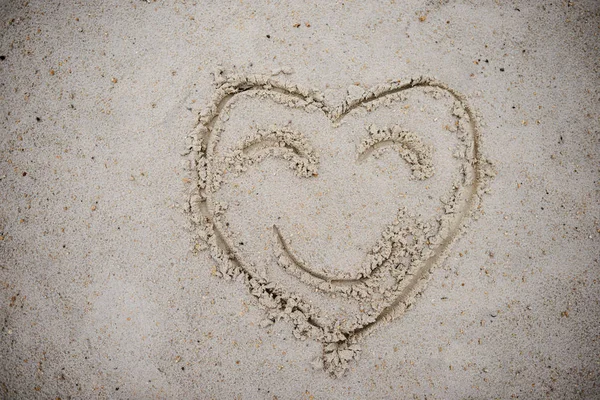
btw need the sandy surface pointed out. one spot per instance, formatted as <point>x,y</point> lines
<point>106,290</point>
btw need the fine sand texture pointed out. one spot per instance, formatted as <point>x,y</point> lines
<point>299,200</point>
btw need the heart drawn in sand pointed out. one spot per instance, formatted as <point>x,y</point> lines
<point>334,215</point>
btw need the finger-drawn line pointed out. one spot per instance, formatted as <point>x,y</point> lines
<point>283,143</point>
<point>302,265</point>
<point>207,214</point>
<point>409,145</point>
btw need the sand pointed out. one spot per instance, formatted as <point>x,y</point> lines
<point>264,200</point>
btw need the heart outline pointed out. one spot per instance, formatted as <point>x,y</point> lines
<point>205,212</point>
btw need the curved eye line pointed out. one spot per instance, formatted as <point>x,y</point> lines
<point>284,143</point>
<point>412,150</point>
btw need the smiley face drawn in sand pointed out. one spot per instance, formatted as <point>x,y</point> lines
<point>334,215</point>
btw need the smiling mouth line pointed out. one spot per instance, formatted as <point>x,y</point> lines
<point>302,265</point>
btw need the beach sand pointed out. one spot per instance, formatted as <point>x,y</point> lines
<point>302,200</point>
